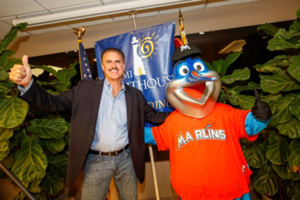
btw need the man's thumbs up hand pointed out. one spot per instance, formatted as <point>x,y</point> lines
<point>21,74</point>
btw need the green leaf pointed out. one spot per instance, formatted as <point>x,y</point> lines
<point>285,172</point>
<point>278,150</point>
<point>252,85</point>
<point>3,75</point>
<point>4,145</point>
<point>40,196</point>
<point>12,111</point>
<point>290,128</point>
<point>246,102</point>
<point>268,29</point>
<point>236,89</point>
<point>54,146</point>
<point>58,165</point>
<point>229,60</point>
<point>280,110</point>
<point>274,83</point>
<point>294,70</point>
<point>8,162</point>
<point>271,97</point>
<point>294,107</point>
<point>274,66</point>
<point>52,184</point>
<point>294,161</point>
<point>4,149</point>
<point>65,76</point>
<point>294,193</point>
<point>5,55</point>
<point>10,83</point>
<point>217,66</point>
<point>10,63</point>
<point>3,89</point>
<point>295,25</point>
<point>287,34</point>
<point>11,35</point>
<point>255,154</point>
<point>237,75</point>
<point>283,41</point>
<point>34,186</point>
<point>295,58</point>
<point>30,161</point>
<point>18,137</point>
<point>268,167</point>
<point>222,97</point>
<point>265,183</point>
<point>5,134</point>
<point>49,128</point>
<point>52,83</point>
<point>60,87</point>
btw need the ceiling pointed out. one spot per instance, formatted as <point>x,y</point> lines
<point>57,15</point>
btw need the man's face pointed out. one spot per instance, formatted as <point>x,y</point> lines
<point>113,65</point>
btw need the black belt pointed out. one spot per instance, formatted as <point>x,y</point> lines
<point>112,153</point>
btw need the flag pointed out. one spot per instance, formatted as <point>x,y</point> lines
<point>148,64</point>
<point>85,70</point>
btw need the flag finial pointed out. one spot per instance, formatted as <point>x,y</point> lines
<point>182,31</point>
<point>79,32</point>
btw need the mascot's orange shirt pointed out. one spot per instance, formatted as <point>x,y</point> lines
<point>206,158</point>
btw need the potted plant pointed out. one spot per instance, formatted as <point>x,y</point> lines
<point>275,156</point>
<point>33,144</point>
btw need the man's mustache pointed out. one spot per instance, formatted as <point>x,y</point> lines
<point>113,68</point>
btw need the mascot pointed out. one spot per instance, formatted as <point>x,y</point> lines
<point>202,135</point>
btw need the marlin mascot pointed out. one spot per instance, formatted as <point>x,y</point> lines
<point>202,135</point>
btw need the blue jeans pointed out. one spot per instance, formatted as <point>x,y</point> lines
<point>100,169</point>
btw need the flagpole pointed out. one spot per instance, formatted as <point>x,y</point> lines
<point>153,171</point>
<point>149,146</point>
<point>16,181</point>
<point>79,32</point>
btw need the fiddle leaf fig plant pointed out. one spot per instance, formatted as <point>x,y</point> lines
<point>275,156</point>
<point>280,76</point>
<point>32,143</point>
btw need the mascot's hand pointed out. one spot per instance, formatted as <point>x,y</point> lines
<point>261,110</point>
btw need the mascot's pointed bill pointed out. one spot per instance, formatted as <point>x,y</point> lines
<point>194,89</point>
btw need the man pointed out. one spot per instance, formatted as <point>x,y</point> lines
<point>107,126</point>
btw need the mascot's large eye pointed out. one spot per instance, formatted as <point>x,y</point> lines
<point>183,70</point>
<point>198,66</point>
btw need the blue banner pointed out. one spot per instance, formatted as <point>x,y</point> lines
<point>148,64</point>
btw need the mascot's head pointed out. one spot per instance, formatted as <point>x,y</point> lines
<point>194,89</point>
